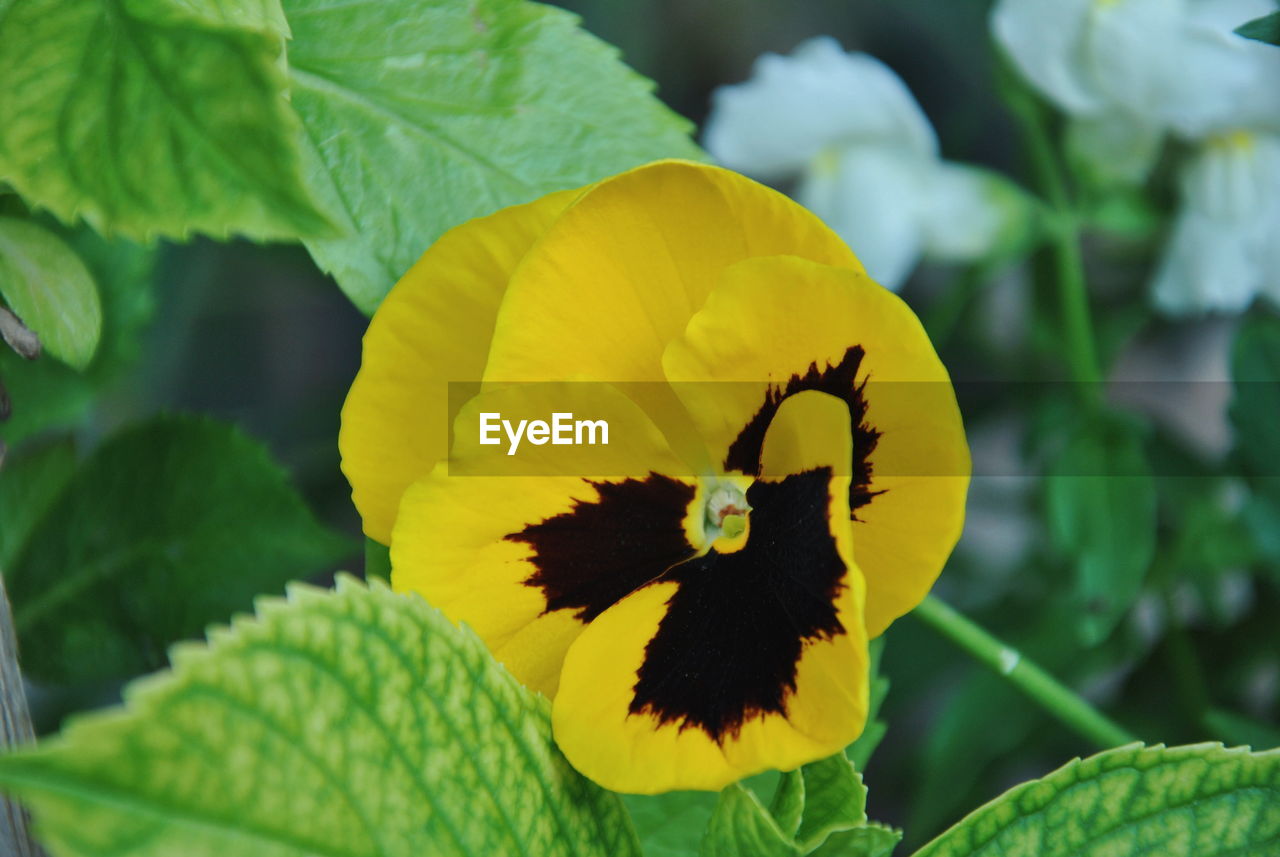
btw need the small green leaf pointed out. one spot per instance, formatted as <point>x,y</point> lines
<point>1196,801</point>
<point>871,840</point>
<point>670,824</point>
<point>787,806</point>
<point>51,290</point>
<point>811,806</point>
<point>1101,505</point>
<point>422,114</point>
<point>48,394</point>
<point>1264,29</point>
<point>343,724</point>
<point>150,117</point>
<point>170,525</point>
<point>741,825</point>
<point>29,483</point>
<point>834,799</point>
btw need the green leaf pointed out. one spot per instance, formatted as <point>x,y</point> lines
<point>51,290</point>
<point>343,724</point>
<point>150,117</point>
<point>1101,506</point>
<point>1197,801</point>
<point>834,799</point>
<point>859,752</point>
<point>170,525</point>
<point>422,114</point>
<point>1264,29</point>
<point>1255,404</point>
<point>377,560</point>
<point>871,840</point>
<point>671,824</point>
<point>820,801</point>
<point>29,483</point>
<point>787,806</point>
<point>46,393</point>
<point>741,825</point>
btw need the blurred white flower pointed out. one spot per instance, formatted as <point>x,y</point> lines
<point>1225,246</point>
<point>867,158</point>
<point>1132,70</point>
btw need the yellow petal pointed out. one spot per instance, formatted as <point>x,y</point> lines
<point>787,324</point>
<point>732,663</point>
<point>434,327</point>
<point>619,274</point>
<point>527,561</point>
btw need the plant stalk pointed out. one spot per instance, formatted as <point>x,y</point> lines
<point>15,729</point>
<point>1051,694</point>
<point>1073,295</point>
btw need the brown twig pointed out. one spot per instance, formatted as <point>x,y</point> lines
<point>15,729</point>
<point>21,338</point>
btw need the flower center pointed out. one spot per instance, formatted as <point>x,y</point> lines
<point>727,510</point>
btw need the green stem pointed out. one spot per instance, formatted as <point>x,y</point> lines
<point>1048,692</point>
<point>1073,295</point>
<point>944,315</point>
<point>1188,677</point>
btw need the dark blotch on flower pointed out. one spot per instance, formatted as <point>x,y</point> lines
<point>595,555</point>
<point>728,646</point>
<point>841,381</point>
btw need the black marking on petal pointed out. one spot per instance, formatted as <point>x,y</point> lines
<point>841,381</point>
<point>596,554</point>
<point>728,646</point>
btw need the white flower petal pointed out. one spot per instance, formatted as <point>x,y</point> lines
<point>1235,178</point>
<point>1114,147</point>
<point>1224,80</point>
<point>1043,38</point>
<point>871,197</point>
<point>1131,51</point>
<point>967,211</point>
<point>796,106</point>
<point>1208,266</point>
<point>1223,247</point>
<point>1169,64</point>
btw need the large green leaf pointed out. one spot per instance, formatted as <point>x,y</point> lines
<point>46,284</point>
<point>150,117</point>
<point>1101,505</point>
<point>1197,801</point>
<point>342,724</point>
<point>170,525</point>
<point>46,393</point>
<point>421,114</point>
<point>29,482</point>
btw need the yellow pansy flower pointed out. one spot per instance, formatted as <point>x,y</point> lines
<point>696,597</point>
